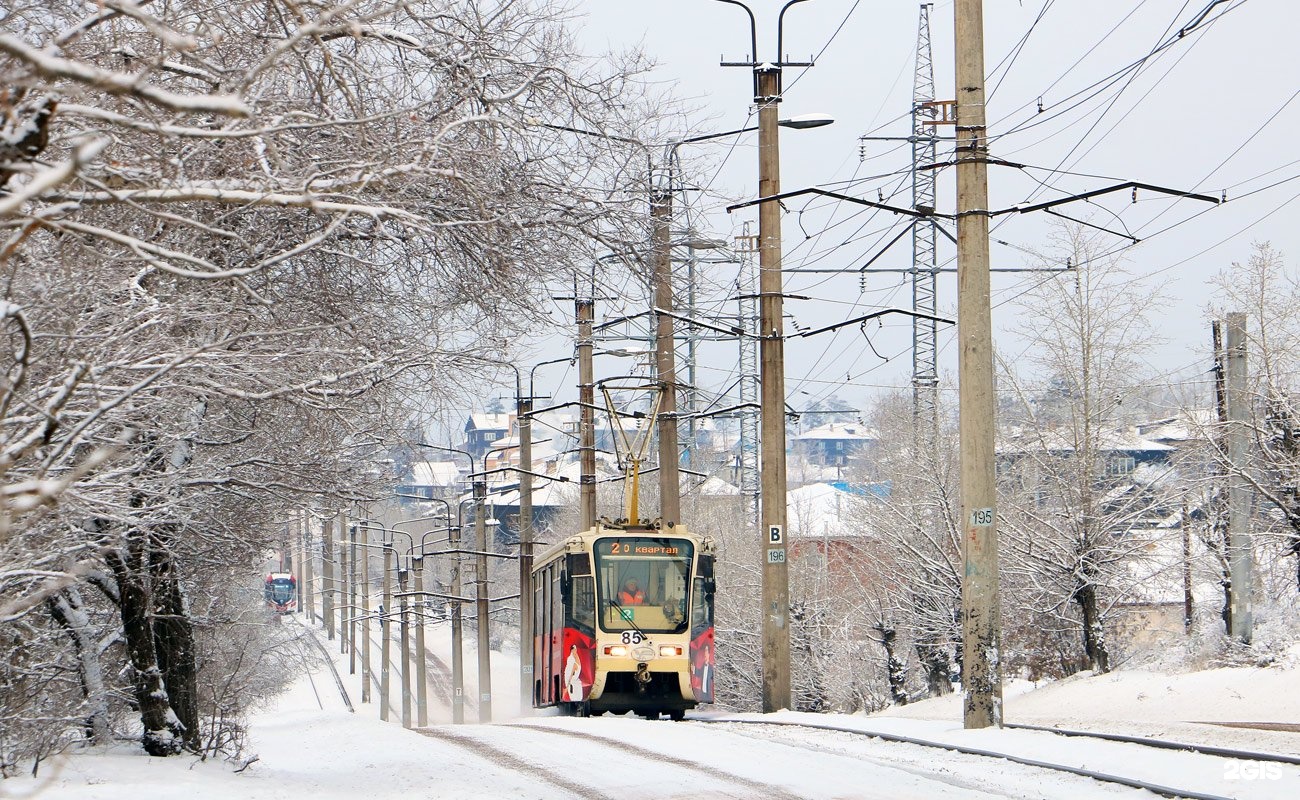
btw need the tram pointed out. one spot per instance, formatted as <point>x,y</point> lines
<point>281,592</point>
<point>623,621</point>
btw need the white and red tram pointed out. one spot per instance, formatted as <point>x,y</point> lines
<point>604,644</point>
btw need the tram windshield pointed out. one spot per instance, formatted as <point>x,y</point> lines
<point>280,590</point>
<point>642,583</point>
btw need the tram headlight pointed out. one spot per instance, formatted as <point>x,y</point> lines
<point>669,650</point>
<point>617,650</point>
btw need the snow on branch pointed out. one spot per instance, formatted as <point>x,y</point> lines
<point>249,197</point>
<point>120,83</point>
<point>54,583</point>
<point>48,178</point>
<point>169,36</point>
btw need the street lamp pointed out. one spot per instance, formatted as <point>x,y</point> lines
<point>662,290</point>
<point>417,563</point>
<point>775,611</point>
<point>478,486</point>
<point>661,211</point>
<point>366,673</point>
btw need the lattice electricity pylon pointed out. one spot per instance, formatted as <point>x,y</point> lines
<point>748,479</point>
<point>925,352</point>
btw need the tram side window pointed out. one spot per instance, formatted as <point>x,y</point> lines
<point>557,597</point>
<point>539,606</point>
<point>584,604</point>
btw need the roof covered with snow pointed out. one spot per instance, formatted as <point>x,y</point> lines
<point>852,431</point>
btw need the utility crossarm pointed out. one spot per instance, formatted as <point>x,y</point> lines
<point>720,411</point>
<point>648,471</point>
<point>1119,187</point>
<point>907,212</point>
<point>1022,209</point>
<point>610,323</point>
<point>499,470</point>
<point>1128,236</point>
<point>535,412</point>
<point>733,331</point>
<point>871,316</point>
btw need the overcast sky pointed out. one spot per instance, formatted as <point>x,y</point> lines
<point>1214,111</point>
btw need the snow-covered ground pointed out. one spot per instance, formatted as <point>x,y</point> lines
<point>309,746</point>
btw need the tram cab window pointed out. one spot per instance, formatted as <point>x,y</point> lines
<point>661,568</point>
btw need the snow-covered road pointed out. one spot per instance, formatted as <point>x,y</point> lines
<point>309,745</point>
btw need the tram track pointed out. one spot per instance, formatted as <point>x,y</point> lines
<point>748,786</point>
<point>513,763</point>
<point>1162,744</point>
<point>1135,783</point>
<point>310,634</point>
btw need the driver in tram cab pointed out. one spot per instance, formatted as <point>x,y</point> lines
<point>631,594</point>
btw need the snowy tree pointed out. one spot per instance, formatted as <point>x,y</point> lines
<point>1067,505</point>
<point>239,240</point>
<point>920,538</point>
<point>1268,294</point>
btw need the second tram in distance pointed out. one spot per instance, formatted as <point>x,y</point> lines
<point>623,621</point>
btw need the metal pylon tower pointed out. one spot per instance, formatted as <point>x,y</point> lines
<point>925,370</point>
<point>747,249</point>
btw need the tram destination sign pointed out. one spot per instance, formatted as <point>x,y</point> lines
<point>652,548</point>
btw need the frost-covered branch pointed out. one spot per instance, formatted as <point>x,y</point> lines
<point>50,66</point>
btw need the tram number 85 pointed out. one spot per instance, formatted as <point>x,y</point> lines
<point>633,637</point>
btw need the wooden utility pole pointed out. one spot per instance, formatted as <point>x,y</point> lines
<point>661,209</point>
<point>981,619</point>
<point>1240,561</point>
<point>772,467</point>
<point>585,309</point>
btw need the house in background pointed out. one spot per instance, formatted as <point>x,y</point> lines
<point>833,444</point>
<point>483,428</point>
<point>430,479</point>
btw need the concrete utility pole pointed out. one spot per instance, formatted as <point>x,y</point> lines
<point>308,597</point>
<point>300,547</point>
<point>365,621</point>
<point>981,622</point>
<point>457,648</point>
<point>1239,541</point>
<point>585,309</point>
<point>523,410</point>
<point>421,655</point>
<point>772,468</point>
<point>404,627</point>
<point>661,211</point>
<point>327,575</point>
<point>386,636</point>
<point>353,650</point>
<point>481,601</point>
<point>344,610</point>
